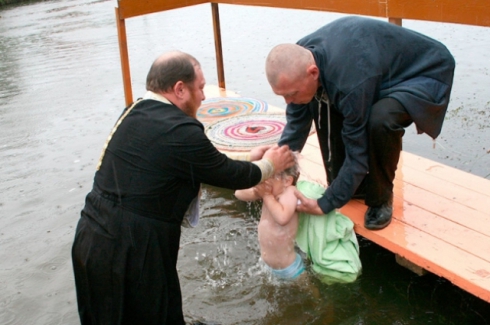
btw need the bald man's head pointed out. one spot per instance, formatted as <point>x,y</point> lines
<point>288,61</point>
<point>292,73</point>
<point>168,69</point>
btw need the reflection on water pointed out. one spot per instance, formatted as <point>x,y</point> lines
<point>61,91</point>
<point>223,280</point>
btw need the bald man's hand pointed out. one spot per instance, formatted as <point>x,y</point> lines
<point>306,205</point>
<point>281,157</point>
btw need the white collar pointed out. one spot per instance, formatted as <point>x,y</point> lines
<point>151,95</point>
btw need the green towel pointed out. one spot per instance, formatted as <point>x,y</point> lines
<point>329,241</point>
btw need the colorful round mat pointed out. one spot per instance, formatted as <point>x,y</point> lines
<point>220,107</point>
<point>244,132</point>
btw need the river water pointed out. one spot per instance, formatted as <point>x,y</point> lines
<point>60,93</point>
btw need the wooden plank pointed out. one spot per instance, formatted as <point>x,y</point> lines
<point>444,219</point>
<point>430,229</point>
<point>312,171</point>
<point>358,7</point>
<point>444,172</point>
<point>124,57</point>
<point>133,8</point>
<point>217,45</point>
<point>472,12</point>
<point>395,21</point>
<point>476,220</point>
<point>469,197</point>
<point>441,228</point>
<point>409,265</point>
<point>435,193</point>
<point>447,182</point>
<point>432,254</point>
<point>465,195</point>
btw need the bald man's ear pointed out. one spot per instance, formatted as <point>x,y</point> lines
<point>313,71</point>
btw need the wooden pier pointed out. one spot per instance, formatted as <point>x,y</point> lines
<point>441,214</point>
<point>473,12</point>
<point>441,219</point>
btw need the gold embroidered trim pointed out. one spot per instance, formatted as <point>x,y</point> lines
<point>113,131</point>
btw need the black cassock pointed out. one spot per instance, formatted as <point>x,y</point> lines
<point>127,239</point>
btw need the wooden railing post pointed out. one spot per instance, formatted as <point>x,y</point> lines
<point>123,52</point>
<point>395,21</point>
<point>217,45</point>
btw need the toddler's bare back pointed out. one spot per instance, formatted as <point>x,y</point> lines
<point>277,241</point>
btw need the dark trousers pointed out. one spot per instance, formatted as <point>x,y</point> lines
<point>386,127</point>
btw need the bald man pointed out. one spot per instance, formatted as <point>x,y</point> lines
<point>362,81</point>
<point>149,175</point>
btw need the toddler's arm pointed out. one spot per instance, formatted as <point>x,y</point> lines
<point>254,193</point>
<point>282,209</point>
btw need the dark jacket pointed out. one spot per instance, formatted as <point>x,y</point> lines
<point>361,61</point>
<point>157,159</point>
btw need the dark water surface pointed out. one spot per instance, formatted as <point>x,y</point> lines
<point>60,93</point>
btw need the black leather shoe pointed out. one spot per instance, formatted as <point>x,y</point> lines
<point>379,217</point>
